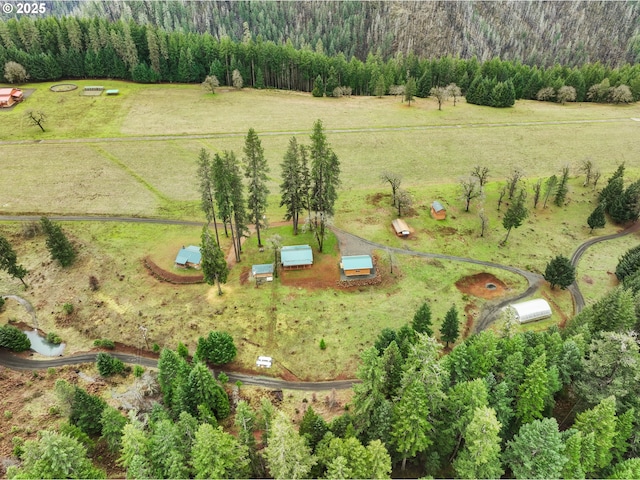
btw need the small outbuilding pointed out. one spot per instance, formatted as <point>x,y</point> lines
<point>437,211</point>
<point>356,265</point>
<point>400,227</point>
<point>262,272</point>
<point>294,257</point>
<point>10,96</point>
<point>531,310</point>
<point>189,257</point>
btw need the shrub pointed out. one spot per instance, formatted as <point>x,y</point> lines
<point>67,308</point>
<point>93,283</point>
<point>108,365</point>
<point>14,339</point>
<point>223,378</point>
<point>54,338</point>
<point>156,348</point>
<point>8,415</point>
<point>31,229</point>
<point>18,446</point>
<point>323,344</point>
<point>104,343</point>
<point>218,348</point>
<point>138,371</point>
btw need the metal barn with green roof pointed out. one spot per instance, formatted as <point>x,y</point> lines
<point>296,256</point>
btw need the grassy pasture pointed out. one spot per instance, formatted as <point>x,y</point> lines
<point>284,322</point>
<point>426,146</point>
<point>598,265</point>
<point>547,232</point>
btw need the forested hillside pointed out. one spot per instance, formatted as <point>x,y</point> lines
<point>543,33</point>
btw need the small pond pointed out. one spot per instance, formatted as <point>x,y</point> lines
<point>43,347</point>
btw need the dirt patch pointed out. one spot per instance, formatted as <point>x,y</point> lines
<point>162,274</point>
<point>556,308</point>
<point>447,231</point>
<point>482,285</point>
<point>377,198</point>
<point>469,312</point>
<point>244,275</point>
<point>324,273</point>
<point>588,280</point>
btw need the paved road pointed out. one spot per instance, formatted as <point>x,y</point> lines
<point>9,360</point>
<point>578,299</point>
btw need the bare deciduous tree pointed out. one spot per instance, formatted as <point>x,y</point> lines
<point>537,189</point>
<point>441,94</point>
<point>545,94</point>
<point>513,179</point>
<point>587,167</point>
<point>484,221</point>
<point>403,201</point>
<point>621,94</point>
<point>394,180</point>
<point>596,176</point>
<point>237,79</point>
<point>397,90</point>
<point>15,73</point>
<point>501,195</point>
<point>36,118</point>
<point>566,94</point>
<point>481,173</point>
<point>469,189</point>
<point>454,91</point>
<point>211,83</point>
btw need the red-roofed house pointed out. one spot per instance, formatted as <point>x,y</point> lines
<point>9,97</point>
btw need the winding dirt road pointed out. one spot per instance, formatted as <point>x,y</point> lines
<point>486,317</point>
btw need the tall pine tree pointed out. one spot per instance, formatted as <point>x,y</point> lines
<point>256,169</point>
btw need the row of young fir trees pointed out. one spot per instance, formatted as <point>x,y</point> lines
<point>310,179</point>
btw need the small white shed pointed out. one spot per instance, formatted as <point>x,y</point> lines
<point>531,310</point>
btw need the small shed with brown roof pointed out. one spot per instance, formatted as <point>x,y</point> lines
<point>437,211</point>
<point>401,228</point>
<point>10,96</point>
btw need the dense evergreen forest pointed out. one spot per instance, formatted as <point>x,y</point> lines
<point>68,47</point>
<point>542,33</point>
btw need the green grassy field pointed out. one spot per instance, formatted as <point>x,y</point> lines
<point>426,146</point>
<point>136,154</point>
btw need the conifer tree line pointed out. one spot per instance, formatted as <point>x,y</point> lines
<point>310,180</point>
<point>52,48</point>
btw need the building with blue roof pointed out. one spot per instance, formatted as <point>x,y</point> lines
<point>262,272</point>
<point>437,211</point>
<point>356,265</point>
<point>189,257</point>
<point>296,256</point>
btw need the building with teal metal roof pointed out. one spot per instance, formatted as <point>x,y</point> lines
<point>355,265</point>
<point>189,257</point>
<point>296,256</point>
